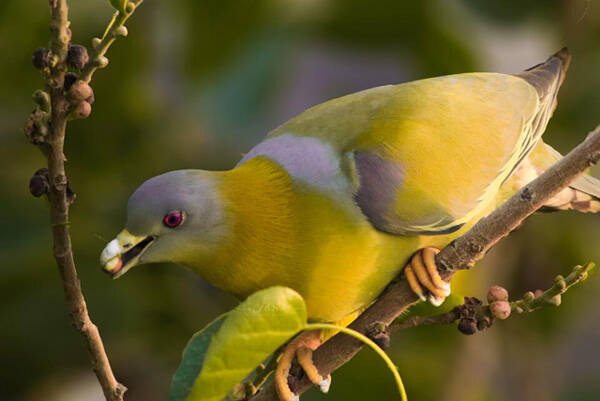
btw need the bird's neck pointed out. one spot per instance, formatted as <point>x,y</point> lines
<point>259,205</point>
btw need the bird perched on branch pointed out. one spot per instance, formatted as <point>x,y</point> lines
<point>338,201</point>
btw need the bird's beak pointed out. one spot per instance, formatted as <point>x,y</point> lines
<point>123,252</point>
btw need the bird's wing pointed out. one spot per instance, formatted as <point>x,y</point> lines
<point>436,155</point>
<point>426,156</point>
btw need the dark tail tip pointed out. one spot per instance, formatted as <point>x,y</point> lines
<point>564,55</point>
<point>547,77</point>
<point>542,76</point>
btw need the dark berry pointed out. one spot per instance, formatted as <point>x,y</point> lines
<point>38,184</point>
<point>484,322</point>
<point>42,58</point>
<point>77,57</point>
<point>70,79</point>
<point>467,326</point>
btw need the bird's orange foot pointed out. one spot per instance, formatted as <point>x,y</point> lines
<point>302,348</point>
<point>421,272</point>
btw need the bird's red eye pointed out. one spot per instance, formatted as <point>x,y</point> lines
<point>173,219</point>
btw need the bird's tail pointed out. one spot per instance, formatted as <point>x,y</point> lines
<point>547,78</point>
<point>583,195</point>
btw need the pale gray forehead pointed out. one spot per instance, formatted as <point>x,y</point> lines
<point>306,158</point>
<point>161,191</point>
<point>176,190</point>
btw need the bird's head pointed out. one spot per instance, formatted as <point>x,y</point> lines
<point>174,217</point>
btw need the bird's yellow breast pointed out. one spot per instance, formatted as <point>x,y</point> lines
<point>286,233</point>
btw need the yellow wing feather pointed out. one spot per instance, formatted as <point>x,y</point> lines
<point>456,138</point>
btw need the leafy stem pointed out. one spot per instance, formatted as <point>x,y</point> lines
<point>115,28</point>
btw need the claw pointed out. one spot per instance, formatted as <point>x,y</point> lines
<point>325,384</point>
<point>435,301</point>
<point>414,283</point>
<point>428,255</point>
<point>302,348</point>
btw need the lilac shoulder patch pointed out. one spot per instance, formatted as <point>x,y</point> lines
<point>305,158</point>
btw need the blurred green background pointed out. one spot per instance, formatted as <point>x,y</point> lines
<point>197,83</point>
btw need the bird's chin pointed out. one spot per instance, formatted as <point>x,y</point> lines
<point>120,264</point>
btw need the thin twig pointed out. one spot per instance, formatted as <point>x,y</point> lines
<point>529,302</point>
<point>464,251</point>
<point>48,132</point>
<point>114,29</point>
<point>59,212</point>
<point>444,318</point>
<point>552,296</point>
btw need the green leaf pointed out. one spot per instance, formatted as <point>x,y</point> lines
<point>118,4</point>
<point>249,334</point>
<point>193,358</point>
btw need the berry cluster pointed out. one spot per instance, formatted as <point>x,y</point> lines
<point>474,315</point>
<point>79,94</point>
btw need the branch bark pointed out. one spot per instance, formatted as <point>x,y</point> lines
<point>461,253</point>
<point>59,208</point>
<point>46,128</point>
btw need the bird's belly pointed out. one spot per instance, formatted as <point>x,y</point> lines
<point>351,266</point>
<point>350,273</point>
<point>344,262</point>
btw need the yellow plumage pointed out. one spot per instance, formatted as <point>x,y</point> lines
<point>334,202</point>
<point>296,237</point>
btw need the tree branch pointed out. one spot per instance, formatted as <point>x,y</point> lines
<point>415,321</point>
<point>46,128</point>
<point>464,251</point>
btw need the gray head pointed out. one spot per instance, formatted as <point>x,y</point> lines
<point>173,217</point>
